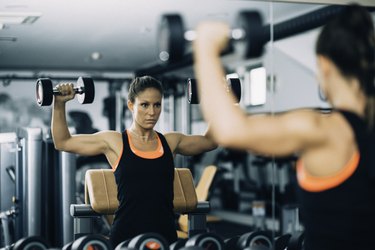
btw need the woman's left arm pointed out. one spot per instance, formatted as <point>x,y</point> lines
<point>190,144</point>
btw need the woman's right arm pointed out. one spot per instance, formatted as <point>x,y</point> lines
<point>90,144</point>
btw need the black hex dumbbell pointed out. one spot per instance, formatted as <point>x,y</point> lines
<point>45,91</point>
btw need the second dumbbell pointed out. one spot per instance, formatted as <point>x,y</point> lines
<point>45,91</point>
<point>233,84</point>
<point>172,36</point>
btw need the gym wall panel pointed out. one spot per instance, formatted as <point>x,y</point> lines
<point>295,84</point>
<point>30,114</point>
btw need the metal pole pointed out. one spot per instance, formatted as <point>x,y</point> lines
<point>68,173</point>
<point>32,178</point>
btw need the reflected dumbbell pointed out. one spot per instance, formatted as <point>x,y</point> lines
<point>173,36</point>
<point>45,91</point>
<point>233,84</point>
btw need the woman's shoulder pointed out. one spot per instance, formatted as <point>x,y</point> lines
<point>110,135</point>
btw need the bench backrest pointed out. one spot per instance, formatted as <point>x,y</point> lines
<point>101,191</point>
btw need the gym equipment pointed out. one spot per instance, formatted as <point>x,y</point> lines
<point>95,241</point>
<point>123,245</point>
<point>67,246</point>
<point>178,244</point>
<point>45,92</point>
<point>101,199</point>
<point>149,241</point>
<point>296,241</point>
<point>32,242</point>
<point>192,248</point>
<point>231,243</point>
<point>206,241</point>
<point>172,36</point>
<point>233,84</point>
<point>282,241</point>
<point>255,240</point>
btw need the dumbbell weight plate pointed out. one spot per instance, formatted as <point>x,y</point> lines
<point>123,245</point>
<point>209,241</point>
<point>88,95</point>
<point>251,23</point>
<point>192,248</point>
<point>256,238</point>
<point>281,242</point>
<point>235,85</point>
<point>177,245</point>
<point>96,241</point>
<point>171,38</point>
<point>149,241</point>
<point>31,243</point>
<point>68,246</point>
<point>44,92</point>
<point>296,241</point>
<point>192,91</point>
<point>231,243</point>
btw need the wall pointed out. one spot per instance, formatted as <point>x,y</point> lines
<point>23,93</point>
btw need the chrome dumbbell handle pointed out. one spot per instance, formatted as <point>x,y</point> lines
<point>77,90</point>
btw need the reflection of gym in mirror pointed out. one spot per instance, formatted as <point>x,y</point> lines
<point>231,125</point>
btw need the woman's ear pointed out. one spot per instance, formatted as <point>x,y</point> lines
<point>325,65</point>
<point>130,106</point>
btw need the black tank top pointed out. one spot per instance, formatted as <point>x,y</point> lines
<point>145,194</point>
<point>343,217</point>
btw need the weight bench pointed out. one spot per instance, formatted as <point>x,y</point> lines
<point>101,199</point>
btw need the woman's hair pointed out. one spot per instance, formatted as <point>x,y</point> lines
<point>349,41</point>
<point>139,84</point>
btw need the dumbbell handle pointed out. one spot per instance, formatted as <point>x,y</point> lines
<point>235,34</point>
<point>77,90</point>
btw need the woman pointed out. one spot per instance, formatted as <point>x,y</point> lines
<point>141,158</point>
<point>336,165</point>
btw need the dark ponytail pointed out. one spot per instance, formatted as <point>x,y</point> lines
<point>349,41</point>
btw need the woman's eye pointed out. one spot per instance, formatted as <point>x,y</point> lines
<point>144,105</point>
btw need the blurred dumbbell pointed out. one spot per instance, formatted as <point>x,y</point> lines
<point>172,36</point>
<point>231,243</point>
<point>148,241</point>
<point>281,242</point>
<point>178,244</point>
<point>45,91</point>
<point>256,240</point>
<point>233,84</point>
<point>92,241</point>
<point>32,242</point>
<point>206,241</point>
<point>296,242</point>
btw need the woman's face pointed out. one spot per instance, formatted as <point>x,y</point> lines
<point>146,108</point>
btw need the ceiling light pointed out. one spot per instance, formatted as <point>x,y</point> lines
<point>18,18</point>
<point>96,56</point>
